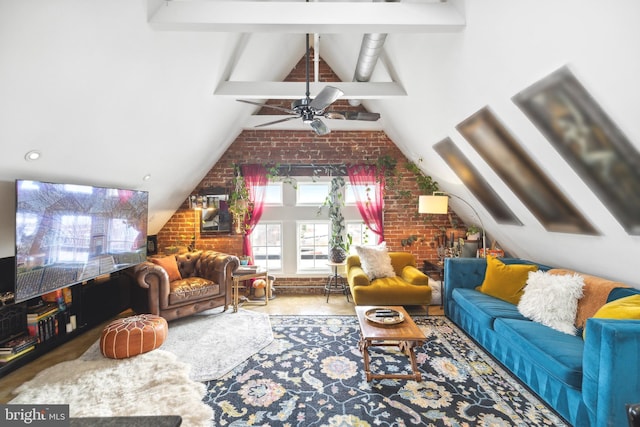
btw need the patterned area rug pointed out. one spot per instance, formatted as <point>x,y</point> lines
<point>312,375</point>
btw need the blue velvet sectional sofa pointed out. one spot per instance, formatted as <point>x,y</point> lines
<point>587,381</point>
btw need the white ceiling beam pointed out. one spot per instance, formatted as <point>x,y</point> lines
<point>313,17</point>
<point>296,90</point>
<point>297,124</point>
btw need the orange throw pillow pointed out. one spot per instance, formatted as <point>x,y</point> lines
<point>505,281</point>
<point>170,265</point>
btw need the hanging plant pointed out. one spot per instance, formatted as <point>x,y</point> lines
<point>339,243</point>
<point>426,184</point>
<point>239,204</point>
<point>410,240</point>
<point>281,173</point>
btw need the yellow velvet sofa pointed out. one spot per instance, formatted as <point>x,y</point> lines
<point>410,286</point>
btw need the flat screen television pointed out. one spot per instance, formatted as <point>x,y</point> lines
<point>67,234</point>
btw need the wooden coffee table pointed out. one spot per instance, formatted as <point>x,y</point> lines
<point>405,335</point>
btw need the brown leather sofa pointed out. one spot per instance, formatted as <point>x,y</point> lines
<point>197,281</point>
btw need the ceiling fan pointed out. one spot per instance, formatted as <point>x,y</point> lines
<point>310,110</point>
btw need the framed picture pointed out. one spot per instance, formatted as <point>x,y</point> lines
<point>478,186</point>
<point>152,245</point>
<point>589,141</point>
<point>213,209</point>
<point>516,168</point>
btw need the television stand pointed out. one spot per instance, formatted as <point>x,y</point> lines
<point>92,303</point>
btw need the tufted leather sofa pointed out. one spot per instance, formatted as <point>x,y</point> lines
<point>205,282</point>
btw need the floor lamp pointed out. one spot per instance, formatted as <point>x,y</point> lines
<point>438,204</point>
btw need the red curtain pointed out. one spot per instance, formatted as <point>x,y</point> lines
<point>371,202</point>
<point>255,179</point>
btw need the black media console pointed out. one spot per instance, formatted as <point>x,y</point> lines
<point>93,302</point>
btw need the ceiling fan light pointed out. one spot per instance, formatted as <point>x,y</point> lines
<point>319,127</point>
<point>307,116</point>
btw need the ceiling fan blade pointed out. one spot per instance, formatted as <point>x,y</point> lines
<point>277,121</point>
<point>326,97</point>
<point>275,107</point>
<point>319,127</point>
<point>352,115</point>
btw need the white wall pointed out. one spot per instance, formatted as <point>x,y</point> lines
<point>507,46</point>
<point>107,99</point>
<point>77,77</point>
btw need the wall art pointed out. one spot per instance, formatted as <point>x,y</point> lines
<point>517,169</point>
<point>577,127</point>
<point>475,182</point>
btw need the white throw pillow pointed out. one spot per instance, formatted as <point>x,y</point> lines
<point>375,261</point>
<point>552,300</point>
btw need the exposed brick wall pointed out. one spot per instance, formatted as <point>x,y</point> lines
<point>401,218</point>
<point>270,147</point>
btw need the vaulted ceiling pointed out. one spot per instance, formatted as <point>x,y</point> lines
<point>111,91</point>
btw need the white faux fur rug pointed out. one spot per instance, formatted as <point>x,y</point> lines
<point>212,342</point>
<point>154,383</point>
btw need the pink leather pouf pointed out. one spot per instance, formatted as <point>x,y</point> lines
<point>133,335</point>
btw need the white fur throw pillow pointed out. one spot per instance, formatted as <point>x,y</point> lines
<point>552,300</point>
<point>375,261</point>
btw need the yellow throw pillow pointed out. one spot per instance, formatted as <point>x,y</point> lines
<point>622,308</point>
<point>505,281</point>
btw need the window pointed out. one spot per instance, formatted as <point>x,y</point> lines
<point>361,234</point>
<point>350,193</point>
<point>266,241</point>
<point>292,238</point>
<point>313,245</point>
<point>273,194</point>
<point>312,193</point>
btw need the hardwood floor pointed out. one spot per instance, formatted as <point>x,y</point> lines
<point>281,305</point>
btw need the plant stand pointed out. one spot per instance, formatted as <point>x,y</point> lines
<point>335,282</point>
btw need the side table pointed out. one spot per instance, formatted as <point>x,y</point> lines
<point>335,282</point>
<point>436,272</point>
<point>240,276</point>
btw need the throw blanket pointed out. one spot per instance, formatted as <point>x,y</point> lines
<point>594,294</point>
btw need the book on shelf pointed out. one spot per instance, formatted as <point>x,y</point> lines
<point>17,344</point>
<point>44,326</point>
<point>40,311</point>
<point>9,357</point>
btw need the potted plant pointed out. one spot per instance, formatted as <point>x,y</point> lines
<point>339,243</point>
<point>473,232</point>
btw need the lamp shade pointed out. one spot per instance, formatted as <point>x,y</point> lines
<point>433,204</point>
